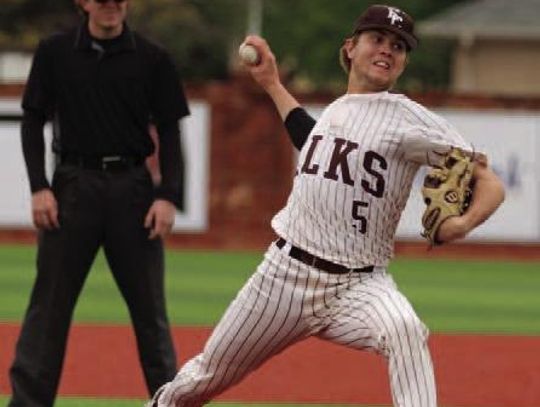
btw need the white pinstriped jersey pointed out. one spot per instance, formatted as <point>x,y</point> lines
<point>354,176</point>
<point>355,173</point>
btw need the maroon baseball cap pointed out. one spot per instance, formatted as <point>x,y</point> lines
<point>388,18</point>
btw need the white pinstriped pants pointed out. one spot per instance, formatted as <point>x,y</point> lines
<point>286,301</point>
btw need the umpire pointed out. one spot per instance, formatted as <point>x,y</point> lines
<point>101,85</point>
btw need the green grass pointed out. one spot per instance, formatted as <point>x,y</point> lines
<point>199,286</point>
<point>449,295</point>
<point>473,296</point>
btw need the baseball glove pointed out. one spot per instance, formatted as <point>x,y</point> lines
<point>447,192</point>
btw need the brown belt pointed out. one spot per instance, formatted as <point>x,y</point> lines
<point>317,262</point>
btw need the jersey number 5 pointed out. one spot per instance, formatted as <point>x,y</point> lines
<point>377,190</point>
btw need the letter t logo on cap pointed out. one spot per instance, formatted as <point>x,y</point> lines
<point>393,15</point>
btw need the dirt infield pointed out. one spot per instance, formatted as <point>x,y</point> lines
<point>479,371</point>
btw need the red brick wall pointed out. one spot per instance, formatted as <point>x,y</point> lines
<point>251,166</point>
<point>251,160</point>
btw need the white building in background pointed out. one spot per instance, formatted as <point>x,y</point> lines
<point>14,67</point>
<point>497,45</point>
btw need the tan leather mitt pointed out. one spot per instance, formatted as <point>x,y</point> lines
<point>447,192</point>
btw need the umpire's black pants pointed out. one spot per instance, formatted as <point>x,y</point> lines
<point>96,208</point>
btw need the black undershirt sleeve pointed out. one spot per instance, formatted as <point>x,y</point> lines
<point>33,147</point>
<point>171,164</point>
<point>299,124</point>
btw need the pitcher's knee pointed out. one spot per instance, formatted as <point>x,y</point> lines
<point>407,330</point>
<point>412,328</point>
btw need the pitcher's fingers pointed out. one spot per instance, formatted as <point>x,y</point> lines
<point>257,41</point>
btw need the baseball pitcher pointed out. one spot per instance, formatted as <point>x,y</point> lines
<point>326,275</point>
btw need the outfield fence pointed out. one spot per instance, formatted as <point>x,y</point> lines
<point>240,164</point>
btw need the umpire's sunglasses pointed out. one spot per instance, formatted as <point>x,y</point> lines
<point>106,1</point>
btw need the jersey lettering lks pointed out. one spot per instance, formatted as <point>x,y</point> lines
<point>354,176</point>
<point>342,148</point>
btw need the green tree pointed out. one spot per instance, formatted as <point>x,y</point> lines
<point>24,22</point>
<point>306,36</point>
<point>199,33</point>
<point>203,35</point>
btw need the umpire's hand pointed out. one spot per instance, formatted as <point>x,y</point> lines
<point>45,210</point>
<point>160,218</point>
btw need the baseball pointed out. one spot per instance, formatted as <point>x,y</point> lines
<point>248,54</point>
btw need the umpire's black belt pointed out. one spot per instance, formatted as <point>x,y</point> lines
<point>317,262</point>
<point>102,163</point>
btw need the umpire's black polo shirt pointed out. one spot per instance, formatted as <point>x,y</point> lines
<point>103,94</point>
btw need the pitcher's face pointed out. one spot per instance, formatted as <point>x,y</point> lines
<point>378,58</point>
